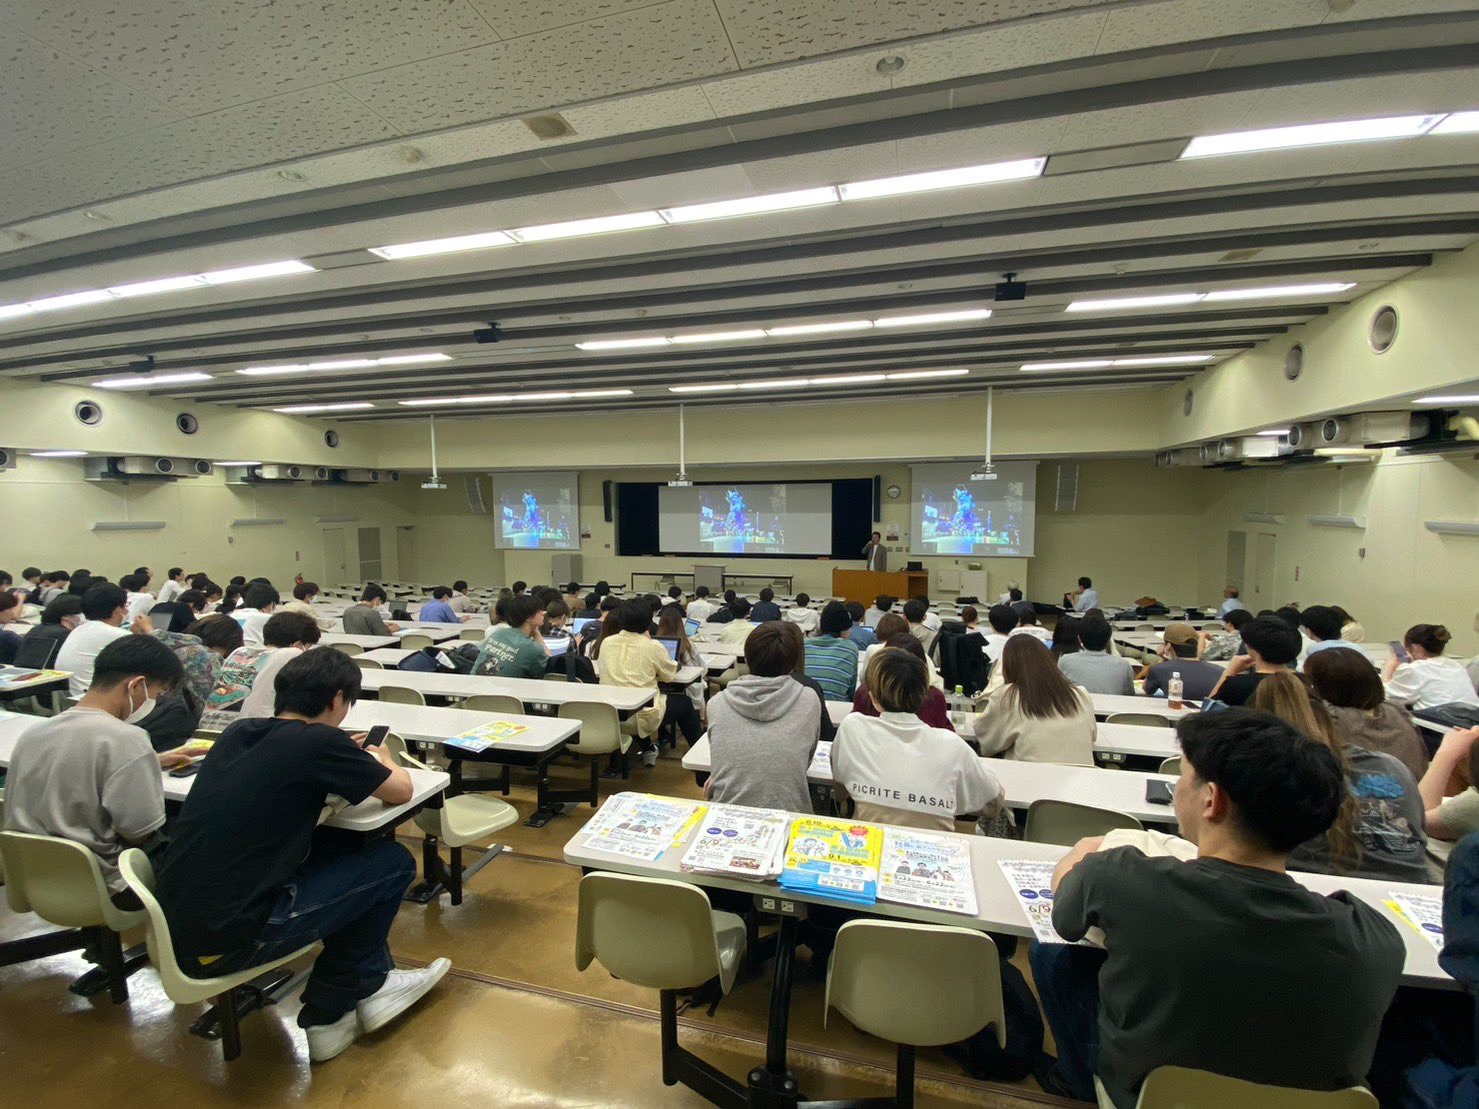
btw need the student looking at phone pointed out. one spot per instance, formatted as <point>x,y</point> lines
<point>246,880</point>
<point>1418,676</point>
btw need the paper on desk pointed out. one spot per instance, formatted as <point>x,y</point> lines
<point>838,858</point>
<point>1424,914</point>
<point>933,872</point>
<point>16,675</point>
<point>739,842</point>
<point>1032,881</point>
<point>639,826</point>
<point>486,735</point>
<point>821,762</point>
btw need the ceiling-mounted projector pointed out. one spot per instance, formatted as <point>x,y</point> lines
<point>433,484</point>
<point>680,482</point>
<point>984,475</point>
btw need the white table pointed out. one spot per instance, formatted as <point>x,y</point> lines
<point>1106,704</point>
<point>367,642</point>
<point>1136,739</point>
<point>531,691</point>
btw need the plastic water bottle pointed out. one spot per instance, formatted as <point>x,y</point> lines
<point>1174,690</point>
<point>958,706</point>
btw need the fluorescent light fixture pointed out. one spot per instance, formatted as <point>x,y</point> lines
<point>919,375</point>
<point>342,406</point>
<point>1081,364</point>
<point>70,300</point>
<point>1451,527</point>
<point>601,225</point>
<point>850,379</point>
<point>1320,289</point>
<point>727,387</point>
<point>818,328</point>
<point>413,359</point>
<point>720,336</point>
<point>1164,360</point>
<point>1274,432</point>
<point>1358,522</point>
<point>254,273</point>
<point>751,206</point>
<point>783,383</point>
<point>928,318</point>
<point>1453,399</point>
<point>9,311</point>
<point>238,464</point>
<point>451,245</point>
<point>1263,517</point>
<point>272,371</point>
<point>58,454</point>
<point>1111,304</point>
<point>1459,123</point>
<point>814,382</point>
<point>511,398</point>
<point>162,285</point>
<point>943,179</point>
<point>623,344</point>
<point>1310,134</point>
<point>343,364</point>
<point>146,381</point>
<point>127,525</point>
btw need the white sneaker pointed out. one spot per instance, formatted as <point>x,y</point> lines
<point>402,989</point>
<point>649,757</point>
<point>327,1040</point>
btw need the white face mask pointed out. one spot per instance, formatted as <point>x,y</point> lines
<point>144,709</point>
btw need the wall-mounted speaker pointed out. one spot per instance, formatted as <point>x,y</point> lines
<point>474,495</point>
<point>1066,494</point>
<point>606,498</point>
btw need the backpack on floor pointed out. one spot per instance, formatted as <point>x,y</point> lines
<point>462,657</point>
<point>574,666</point>
<point>987,1060</point>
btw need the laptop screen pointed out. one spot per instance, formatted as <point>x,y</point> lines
<point>691,626</point>
<point>578,624</point>
<point>557,646</point>
<point>671,646</point>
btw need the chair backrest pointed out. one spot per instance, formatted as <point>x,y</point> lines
<point>368,663</point>
<point>473,633</point>
<point>59,880</point>
<point>1065,823</point>
<point>493,702</point>
<point>1171,765</point>
<point>347,648</point>
<point>416,642</point>
<point>1145,719</point>
<point>139,874</point>
<point>653,932</point>
<point>919,984</point>
<point>1184,1088</point>
<point>402,754</point>
<point>600,728</point>
<point>401,695</point>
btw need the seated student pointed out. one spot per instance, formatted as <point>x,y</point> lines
<point>364,618</point>
<point>862,635</point>
<point>725,612</point>
<point>245,879</point>
<point>174,585</point>
<point>58,618</point>
<point>970,618</point>
<point>1179,651</point>
<point>1094,668</point>
<point>104,607</point>
<point>590,609</point>
<point>671,625</point>
<point>1429,679</point>
<point>1083,598</point>
<point>1272,644</point>
<point>915,612</point>
<point>80,582</point>
<point>60,583</point>
<point>701,608</point>
<point>1379,830</point>
<point>804,616</point>
<point>895,767</point>
<point>1452,818</point>
<point>1352,691</point>
<point>438,611</point>
<point>740,624</point>
<point>89,775</point>
<point>556,617</point>
<point>138,602</point>
<point>1322,626</point>
<point>1027,623</point>
<point>765,609</point>
<point>519,587</point>
<point>1226,941</point>
<point>1037,714</point>
<point>31,591</point>
<point>674,597</point>
<point>569,593</point>
<point>12,608</point>
<point>831,657</point>
<point>515,647</point>
<point>304,594</point>
<point>1350,628</point>
<point>764,727</point>
<point>935,711</point>
<point>633,659</point>
<point>1003,620</point>
<point>1229,643</point>
<point>883,604</point>
<point>285,636</point>
<point>459,601</point>
<point>201,646</point>
<point>891,625</point>
<point>931,619</point>
<point>258,603</point>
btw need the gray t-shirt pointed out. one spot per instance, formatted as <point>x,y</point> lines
<point>361,619</point>
<point>1229,968</point>
<point>1389,824</point>
<point>88,777</point>
<point>1098,672</point>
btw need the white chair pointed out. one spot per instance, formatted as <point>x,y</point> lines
<point>346,648</point>
<point>62,883</point>
<point>417,642</point>
<point>1184,1088</point>
<point>918,985</point>
<point>1065,823</point>
<point>476,634</point>
<point>401,695</point>
<point>1171,765</point>
<point>367,663</point>
<point>1140,719</point>
<point>179,987</point>
<point>602,734</point>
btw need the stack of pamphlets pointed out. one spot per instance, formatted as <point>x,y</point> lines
<point>835,858</point>
<point>739,842</point>
<point>821,763</point>
<point>640,826</point>
<point>486,735</point>
<point>933,872</point>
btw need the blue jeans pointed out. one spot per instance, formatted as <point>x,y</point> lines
<point>348,902</point>
<point>1067,980</point>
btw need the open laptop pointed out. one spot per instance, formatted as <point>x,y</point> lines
<point>670,646</point>
<point>577,626</point>
<point>558,645</point>
<point>691,626</point>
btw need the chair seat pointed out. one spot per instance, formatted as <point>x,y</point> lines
<point>182,989</point>
<point>466,818</point>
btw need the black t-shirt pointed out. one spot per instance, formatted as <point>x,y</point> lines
<point>764,611</point>
<point>248,823</point>
<point>1239,689</point>
<point>1229,968</point>
<point>1197,678</point>
<point>10,643</point>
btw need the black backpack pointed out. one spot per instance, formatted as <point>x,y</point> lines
<point>988,1061</point>
<point>574,666</point>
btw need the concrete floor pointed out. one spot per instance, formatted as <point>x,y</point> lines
<point>513,1025</point>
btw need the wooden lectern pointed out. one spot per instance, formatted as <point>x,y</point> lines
<point>865,585</point>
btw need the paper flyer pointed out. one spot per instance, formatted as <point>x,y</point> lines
<point>486,735</point>
<point>14,675</point>
<point>739,842</point>
<point>1032,880</point>
<point>933,872</point>
<point>639,826</point>
<point>838,858</point>
<point>1424,914</point>
<point>821,763</point>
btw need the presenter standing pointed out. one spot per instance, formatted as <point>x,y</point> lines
<point>876,554</point>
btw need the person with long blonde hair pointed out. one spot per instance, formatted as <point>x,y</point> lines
<point>1379,830</point>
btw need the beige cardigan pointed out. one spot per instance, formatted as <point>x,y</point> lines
<point>1006,730</point>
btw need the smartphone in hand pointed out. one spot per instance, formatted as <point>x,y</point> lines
<point>377,735</point>
<point>1399,650</point>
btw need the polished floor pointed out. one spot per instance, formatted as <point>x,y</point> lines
<point>515,1024</point>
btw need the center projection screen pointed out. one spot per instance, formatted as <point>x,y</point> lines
<point>954,516</point>
<point>751,519</point>
<point>536,511</point>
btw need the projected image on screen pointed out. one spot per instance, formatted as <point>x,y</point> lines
<point>746,519</point>
<point>954,515</point>
<point>536,511</point>
<point>728,522</point>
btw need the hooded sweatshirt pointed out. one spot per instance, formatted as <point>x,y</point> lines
<point>762,734</point>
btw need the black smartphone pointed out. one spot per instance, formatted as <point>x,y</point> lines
<point>377,735</point>
<point>187,770</point>
<point>1158,792</point>
<point>1399,650</point>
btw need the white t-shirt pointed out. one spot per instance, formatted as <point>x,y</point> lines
<point>931,621</point>
<point>1425,683</point>
<point>995,643</point>
<point>170,590</point>
<point>80,649</point>
<point>1035,630</point>
<point>701,609</point>
<point>263,697</point>
<point>873,648</point>
<point>139,604</point>
<point>899,770</point>
<point>808,619</point>
<point>252,622</point>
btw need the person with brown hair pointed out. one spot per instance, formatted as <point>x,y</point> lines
<point>1037,714</point>
<point>1378,832</point>
<point>1352,691</point>
<point>1426,679</point>
<point>934,711</point>
<point>894,624</point>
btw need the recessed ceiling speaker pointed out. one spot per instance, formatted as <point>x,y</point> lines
<point>187,423</point>
<point>7,458</point>
<point>1294,362</point>
<point>203,467</point>
<point>1383,329</point>
<point>331,438</point>
<point>88,412</point>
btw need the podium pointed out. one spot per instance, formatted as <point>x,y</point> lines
<point>865,585</point>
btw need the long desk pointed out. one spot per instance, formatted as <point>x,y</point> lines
<point>46,681</point>
<point>367,642</point>
<point>531,691</point>
<point>1106,704</point>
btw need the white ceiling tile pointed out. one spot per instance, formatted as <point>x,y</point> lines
<point>647,111</point>
<point>994,49</point>
<point>768,31</point>
<point>823,79</point>
<point>202,57</point>
<point>1136,27</point>
<point>513,18</point>
<point>663,44</point>
<point>828,167</point>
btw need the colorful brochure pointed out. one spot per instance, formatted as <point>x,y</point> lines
<point>640,826</point>
<point>1032,880</point>
<point>933,872</point>
<point>836,858</point>
<point>821,763</point>
<point>1424,914</point>
<point>486,735</point>
<point>739,842</point>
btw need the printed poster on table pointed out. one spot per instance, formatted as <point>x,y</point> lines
<point>639,826</point>
<point>739,842</point>
<point>1424,914</point>
<point>838,858</point>
<point>1032,881</point>
<point>821,763</point>
<point>486,735</point>
<point>933,872</point>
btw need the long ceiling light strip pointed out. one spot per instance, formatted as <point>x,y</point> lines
<point>345,364</point>
<point>1312,134</point>
<point>511,398</point>
<point>149,381</point>
<point>1108,363</point>
<point>815,382</point>
<point>310,409</point>
<point>782,331</point>
<point>1176,300</point>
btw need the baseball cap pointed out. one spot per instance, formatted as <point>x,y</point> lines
<point>1179,635</point>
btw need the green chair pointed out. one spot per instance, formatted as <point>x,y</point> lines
<point>1171,765</point>
<point>1064,823</point>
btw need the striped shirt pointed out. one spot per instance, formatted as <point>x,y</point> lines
<point>833,664</point>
